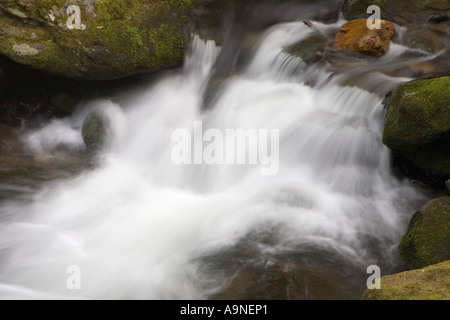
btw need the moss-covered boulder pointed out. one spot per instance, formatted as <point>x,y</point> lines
<point>427,240</point>
<point>355,9</point>
<point>431,283</point>
<point>356,36</point>
<point>95,39</point>
<point>417,127</point>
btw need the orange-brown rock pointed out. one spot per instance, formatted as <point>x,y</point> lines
<point>356,36</point>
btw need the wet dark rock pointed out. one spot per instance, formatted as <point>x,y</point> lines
<point>425,39</point>
<point>310,49</point>
<point>417,12</point>
<point>20,167</point>
<point>294,278</point>
<point>29,97</point>
<point>387,99</point>
<point>438,18</point>
<point>226,21</point>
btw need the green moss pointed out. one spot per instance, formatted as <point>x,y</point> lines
<point>427,240</point>
<point>55,60</point>
<point>108,11</point>
<point>431,283</point>
<point>50,56</point>
<point>168,45</point>
<point>419,109</point>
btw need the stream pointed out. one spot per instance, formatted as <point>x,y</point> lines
<point>138,225</point>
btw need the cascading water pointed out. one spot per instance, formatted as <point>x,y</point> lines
<point>139,226</point>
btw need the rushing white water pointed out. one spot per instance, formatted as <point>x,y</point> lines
<point>138,226</point>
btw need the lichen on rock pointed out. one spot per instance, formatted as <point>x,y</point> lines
<point>95,39</point>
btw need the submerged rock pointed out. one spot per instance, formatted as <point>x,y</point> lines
<point>309,49</point>
<point>425,39</point>
<point>431,283</point>
<point>356,36</point>
<point>95,39</point>
<point>21,166</point>
<point>95,131</point>
<point>427,240</point>
<point>417,127</point>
